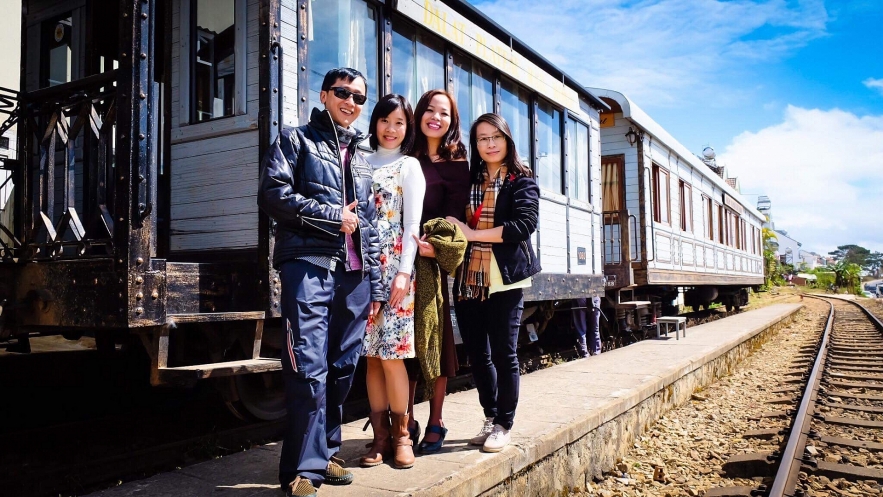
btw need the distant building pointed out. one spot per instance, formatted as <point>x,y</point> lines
<point>807,260</point>
<point>789,248</point>
<point>765,206</point>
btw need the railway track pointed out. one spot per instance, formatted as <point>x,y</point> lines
<point>836,416</point>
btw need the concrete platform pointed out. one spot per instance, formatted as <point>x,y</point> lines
<point>573,420</point>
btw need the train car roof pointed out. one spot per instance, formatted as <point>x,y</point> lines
<point>481,20</point>
<point>631,111</point>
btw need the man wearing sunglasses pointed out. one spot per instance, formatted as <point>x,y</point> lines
<point>317,186</point>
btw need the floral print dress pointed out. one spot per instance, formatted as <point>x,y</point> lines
<point>391,333</point>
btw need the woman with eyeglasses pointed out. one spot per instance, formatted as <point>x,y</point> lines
<point>501,214</point>
<point>437,145</point>
<point>399,188</point>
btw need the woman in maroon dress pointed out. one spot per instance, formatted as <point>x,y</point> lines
<point>442,157</point>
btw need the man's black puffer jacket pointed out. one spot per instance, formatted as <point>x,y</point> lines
<point>301,188</point>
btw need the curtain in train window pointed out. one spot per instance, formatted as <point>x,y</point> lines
<point>515,109</point>
<point>709,222</point>
<point>474,91</point>
<point>343,33</point>
<point>686,200</point>
<point>721,225</point>
<point>549,164</point>
<point>610,188</point>
<point>661,196</point>
<point>418,62</point>
<point>578,160</point>
<point>214,68</point>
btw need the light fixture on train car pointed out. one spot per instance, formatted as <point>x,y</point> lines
<point>633,136</point>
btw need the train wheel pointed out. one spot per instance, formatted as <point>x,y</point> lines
<point>254,396</point>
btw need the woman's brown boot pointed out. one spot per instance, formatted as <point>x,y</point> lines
<point>401,441</point>
<point>380,448</point>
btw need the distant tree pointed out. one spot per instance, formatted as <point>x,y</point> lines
<point>874,262</point>
<point>848,276</point>
<point>771,266</point>
<point>852,254</point>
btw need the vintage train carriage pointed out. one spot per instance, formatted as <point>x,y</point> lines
<point>670,221</point>
<point>141,127</point>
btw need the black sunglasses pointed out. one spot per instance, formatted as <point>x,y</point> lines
<point>343,94</point>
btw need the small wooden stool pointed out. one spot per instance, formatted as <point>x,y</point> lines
<point>676,321</point>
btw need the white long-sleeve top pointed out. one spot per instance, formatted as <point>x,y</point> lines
<point>413,186</point>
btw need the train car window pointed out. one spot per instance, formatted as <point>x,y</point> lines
<point>418,62</point>
<point>549,163</point>
<point>473,89</point>
<point>686,201</point>
<point>578,160</point>
<point>515,109</point>
<point>611,193</point>
<point>213,60</point>
<point>708,211</point>
<point>738,225</point>
<point>661,195</point>
<point>721,225</point>
<point>343,33</point>
<point>56,51</point>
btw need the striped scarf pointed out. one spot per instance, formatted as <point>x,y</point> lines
<point>475,271</point>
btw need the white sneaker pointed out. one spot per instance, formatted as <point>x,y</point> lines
<point>497,440</point>
<point>485,431</point>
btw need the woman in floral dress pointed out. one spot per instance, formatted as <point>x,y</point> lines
<point>399,189</point>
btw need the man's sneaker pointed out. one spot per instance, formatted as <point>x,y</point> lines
<point>301,487</point>
<point>497,440</point>
<point>485,431</point>
<point>335,474</point>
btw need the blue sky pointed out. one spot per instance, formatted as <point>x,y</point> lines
<point>789,92</point>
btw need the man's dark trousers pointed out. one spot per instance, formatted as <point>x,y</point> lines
<point>325,313</point>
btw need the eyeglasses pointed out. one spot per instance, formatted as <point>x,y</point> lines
<point>343,94</point>
<point>485,141</point>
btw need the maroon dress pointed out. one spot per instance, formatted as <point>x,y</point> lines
<point>447,193</point>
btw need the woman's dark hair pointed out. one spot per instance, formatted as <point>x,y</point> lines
<point>511,160</point>
<point>347,74</point>
<point>451,144</point>
<point>385,107</point>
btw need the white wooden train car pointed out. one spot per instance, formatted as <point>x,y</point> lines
<point>670,221</point>
<point>141,130</point>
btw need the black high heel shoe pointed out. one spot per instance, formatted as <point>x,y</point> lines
<point>414,433</point>
<point>433,447</point>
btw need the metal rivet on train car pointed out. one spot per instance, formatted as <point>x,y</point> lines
<point>303,68</point>
<point>73,282</point>
<point>275,123</point>
<point>275,304</point>
<point>154,295</point>
<point>275,24</point>
<point>144,15</point>
<point>303,99</point>
<point>124,55</point>
<point>303,6</point>
<point>143,55</point>
<point>139,296</point>
<point>142,95</point>
<point>122,178</point>
<point>139,261</point>
<point>119,261</point>
<point>276,280</point>
<point>264,89</point>
<point>139,310</point>
<point>275,90</point>
<point>275,292</point>
<point>125,14</point>
<point>95,282</point>
<point>139,280</point>
<point>121,220</point>
<point>141,136</point>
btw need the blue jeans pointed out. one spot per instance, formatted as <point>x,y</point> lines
<point>589,328</point>
<point>325,313</point>
<point>490,334</point>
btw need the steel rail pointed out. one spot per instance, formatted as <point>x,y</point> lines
<point>792,457</point>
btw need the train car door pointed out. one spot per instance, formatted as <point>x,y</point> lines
<point>616,234</point>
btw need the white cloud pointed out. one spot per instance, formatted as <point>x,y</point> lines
<point>660,50</point>
<point>823,172</point>
<point>874,84</point>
